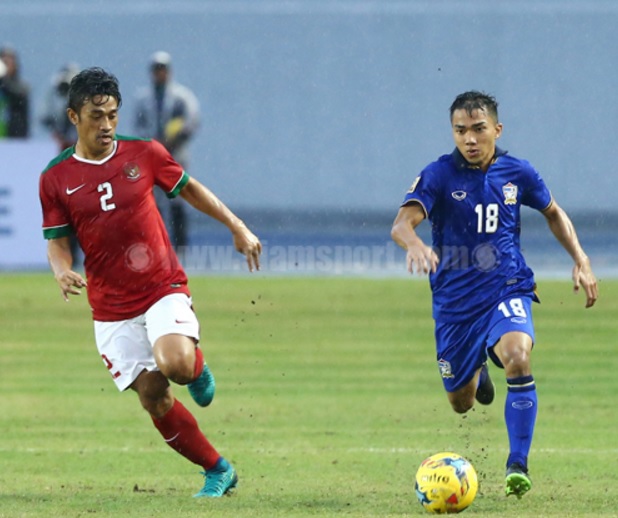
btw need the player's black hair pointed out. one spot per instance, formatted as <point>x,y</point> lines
<point>475,100</point>
<point>90,83</point>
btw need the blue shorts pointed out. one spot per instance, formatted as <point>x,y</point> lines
<point>463,347</point>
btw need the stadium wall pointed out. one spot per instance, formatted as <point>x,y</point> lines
<point>332,107</point>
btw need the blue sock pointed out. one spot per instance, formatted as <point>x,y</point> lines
<point>520,415</point>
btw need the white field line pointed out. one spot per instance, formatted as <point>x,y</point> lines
<point>566,451</point>
<point>285,451</point>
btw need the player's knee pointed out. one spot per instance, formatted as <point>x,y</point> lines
<point>175,358</point>
<point>514,350</point>
<point>461,401</point>
<point>517,363</point>
<point>177,369</point>
<point>461,407</point>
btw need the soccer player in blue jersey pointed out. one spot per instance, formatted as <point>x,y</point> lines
<point>481,286</point>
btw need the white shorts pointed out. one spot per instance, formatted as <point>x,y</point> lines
<point>126,345</point>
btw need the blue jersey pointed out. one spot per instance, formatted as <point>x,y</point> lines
<point>475,220</point>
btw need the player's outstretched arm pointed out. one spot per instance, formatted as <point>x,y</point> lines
<point>420,258</point>
<point>562,227</point>
<point>205,201</point>
<point>60,261</point>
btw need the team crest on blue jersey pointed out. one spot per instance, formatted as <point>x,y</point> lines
<point>510,194</point>
<point>414,183</point>
<point>131,171</point>
<point>445,368</point>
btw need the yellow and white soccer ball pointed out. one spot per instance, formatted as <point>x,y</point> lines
<point>446,483</point>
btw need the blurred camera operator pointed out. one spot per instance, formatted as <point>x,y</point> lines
<point>54,114</point>
<point>14,97</point>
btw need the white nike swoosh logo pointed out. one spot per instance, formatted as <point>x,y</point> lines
<point>71,191</point>
<point>173,438</point>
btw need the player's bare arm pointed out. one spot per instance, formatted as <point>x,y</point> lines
<point>60,260</point>
<point>200,197</point>
<point>420,258</point>
<point>562,227</point>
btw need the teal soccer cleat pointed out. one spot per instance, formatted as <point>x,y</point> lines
<point>518,481</point>
<point>220,479</point>
<point>202,389</point>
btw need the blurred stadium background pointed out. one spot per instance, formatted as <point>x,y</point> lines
<point>317,115</point>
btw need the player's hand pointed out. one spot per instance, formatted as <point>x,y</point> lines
<point>249,245</point>
<point>70,283</point>
<point>583,276</point>
<point>421,259</point>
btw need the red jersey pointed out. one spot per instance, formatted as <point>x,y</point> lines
<point>129,260</point>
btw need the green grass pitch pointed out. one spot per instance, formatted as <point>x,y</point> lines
<point>328,399</point>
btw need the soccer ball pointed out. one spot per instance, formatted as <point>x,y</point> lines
<point>446,483</point>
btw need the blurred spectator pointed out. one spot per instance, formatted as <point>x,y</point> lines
<point>55,119</point>
<point>168,112</point>
<point>14,97</point>
<point>54,114</point>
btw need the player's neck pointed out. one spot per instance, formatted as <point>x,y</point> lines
<point>94,155</point>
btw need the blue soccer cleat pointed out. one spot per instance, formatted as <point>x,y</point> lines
<point>518,481</point>
<point>202,389</point>
<point>220,479</point>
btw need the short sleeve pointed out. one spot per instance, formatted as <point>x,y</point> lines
<point>424,190</point>
<point>168,174</point>
<point>56,222</point>
<point>536,194</point>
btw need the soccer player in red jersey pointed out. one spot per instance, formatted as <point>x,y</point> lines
<point>145,327</point>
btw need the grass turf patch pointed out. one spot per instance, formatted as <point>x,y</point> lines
<point>328,399</point>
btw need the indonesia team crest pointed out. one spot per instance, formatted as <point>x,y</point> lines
<point>131,171</point>
<point>510,194</point>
